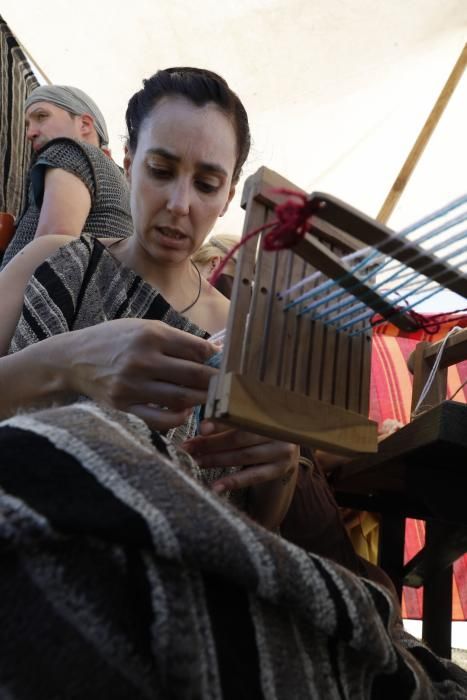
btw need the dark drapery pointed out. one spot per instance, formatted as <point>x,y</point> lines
<point>16,82</point>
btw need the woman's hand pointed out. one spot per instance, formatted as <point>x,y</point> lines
<point>141,366</point>
<point>269,467</point>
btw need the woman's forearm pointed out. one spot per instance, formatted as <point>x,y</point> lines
<point>132,364</point>
<point>35,376</point>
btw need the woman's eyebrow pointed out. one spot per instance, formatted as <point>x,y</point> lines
<point>207,167</point>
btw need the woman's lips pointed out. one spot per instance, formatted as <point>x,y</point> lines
<point>171,233</point>
<point>170,237</point>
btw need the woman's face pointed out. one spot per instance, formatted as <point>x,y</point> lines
<point>180,177</point>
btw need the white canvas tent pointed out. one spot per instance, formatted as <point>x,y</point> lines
<point>337,91</point>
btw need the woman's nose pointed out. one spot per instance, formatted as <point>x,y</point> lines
<point>178,202</point>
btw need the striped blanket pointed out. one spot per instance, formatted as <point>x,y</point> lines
<point>124,577</point>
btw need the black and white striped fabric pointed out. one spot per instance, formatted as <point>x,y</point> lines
<point>82,284</point>
<point>17,81</point>
<point>123,577</point>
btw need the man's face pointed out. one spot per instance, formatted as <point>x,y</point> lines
<point>45,121</point>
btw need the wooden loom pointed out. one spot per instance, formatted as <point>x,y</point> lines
<point>292,376</point>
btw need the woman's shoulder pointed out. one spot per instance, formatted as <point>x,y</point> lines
<point>33,255</point>
<point>37,251</point>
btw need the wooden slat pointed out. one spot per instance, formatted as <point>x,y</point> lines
<point>454,351</point>
<point>233,357</point>
<point>298,418</point>
<point>234,345</point>
<point>422,369</point>
<point>289,339</point>
<point>365,373</point>
<point>302,354</point>
<point>370,232</point>
<point>256,341</point>
<point>328,367</point>
<point>341,374</point>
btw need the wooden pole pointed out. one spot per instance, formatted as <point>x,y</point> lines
<point>423,138</point>
<point>30,58</point>
<point>34,62</point>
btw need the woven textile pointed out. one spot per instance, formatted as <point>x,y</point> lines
<point>16,82</point>
<point>82,284</point>
<point>123,577</point>
<point>391,390</point>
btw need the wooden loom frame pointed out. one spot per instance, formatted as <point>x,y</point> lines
<point>296,378</point>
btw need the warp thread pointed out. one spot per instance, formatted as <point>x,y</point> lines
<point>289,227</point>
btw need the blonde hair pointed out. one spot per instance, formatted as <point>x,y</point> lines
<point>214,247</point>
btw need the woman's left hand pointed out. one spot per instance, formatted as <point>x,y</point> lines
<point>269,467</point>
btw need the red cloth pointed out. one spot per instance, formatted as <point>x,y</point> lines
<point>391,387</point>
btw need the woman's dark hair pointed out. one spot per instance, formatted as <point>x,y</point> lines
<point>201,87</point>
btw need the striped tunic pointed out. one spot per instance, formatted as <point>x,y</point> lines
<point>83,284</point>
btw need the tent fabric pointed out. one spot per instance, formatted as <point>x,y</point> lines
<point>391,389</point>
<point>336,91</point>
<point>16,82</point>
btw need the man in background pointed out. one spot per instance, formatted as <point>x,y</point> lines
<point>74,185</point>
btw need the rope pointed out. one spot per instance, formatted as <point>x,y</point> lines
<point>434,369</point>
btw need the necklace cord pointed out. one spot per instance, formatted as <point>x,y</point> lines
<point>190,306</point>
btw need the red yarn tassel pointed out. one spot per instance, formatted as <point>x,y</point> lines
<point>287,229</point>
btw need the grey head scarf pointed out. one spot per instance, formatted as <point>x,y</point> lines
<point>74,101</point>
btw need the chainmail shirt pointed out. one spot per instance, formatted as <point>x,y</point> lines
<point>109,215</point>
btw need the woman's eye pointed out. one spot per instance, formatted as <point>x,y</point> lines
<point>159,173</point>
<point>206,187</point>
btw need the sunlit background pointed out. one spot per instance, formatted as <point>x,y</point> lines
<point>337,90</point>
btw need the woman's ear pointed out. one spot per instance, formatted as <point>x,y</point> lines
<point>127,164</point>
<point>229,199</point>
<point>214,262</point>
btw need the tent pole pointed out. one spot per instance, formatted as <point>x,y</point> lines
<point>423,138</point>
<point>30,58</point>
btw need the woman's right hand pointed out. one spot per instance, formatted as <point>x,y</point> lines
<point>141,366</point>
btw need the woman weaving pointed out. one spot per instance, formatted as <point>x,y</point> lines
<point>121,576</point>
<point>188,138</point>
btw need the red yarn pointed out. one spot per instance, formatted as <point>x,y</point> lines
<point>430,323</point>
<point>288,228</point>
